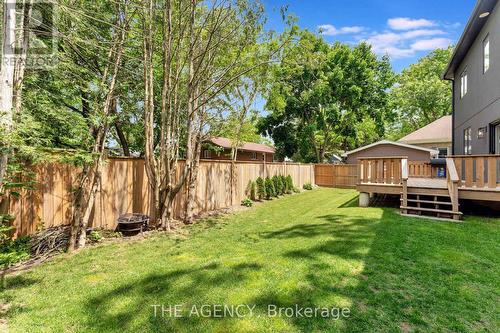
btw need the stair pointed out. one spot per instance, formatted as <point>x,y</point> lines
<point>430,204</point>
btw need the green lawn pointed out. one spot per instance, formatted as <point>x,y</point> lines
<point>315,249</point>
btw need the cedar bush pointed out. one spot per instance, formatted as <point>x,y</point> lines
<point>289,183</point>
<point>284,184</point>
<point>261,188</point>
<point>277,187</point>
<point>269,188</point>
<point>253,191</point>
<point>307,186</point>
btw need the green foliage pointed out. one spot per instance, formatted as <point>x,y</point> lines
<point>289,182</point>
<point>247,202</point>
<point>420,95</point>
<point>320,93</point>
<point>253,191</point>
<point>95,236</point>
<point>307,186</point>
<point>261,189</point>
<point>12,251</point>
<point>277,185</point>
<point>270,191</point>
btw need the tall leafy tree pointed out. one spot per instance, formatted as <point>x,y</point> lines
<point>319,94</point>
<point>420,95</point>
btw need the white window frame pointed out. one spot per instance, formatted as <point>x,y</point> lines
<point>486,54</point>
<point>464,83</point>
<point>439,152</point>
<point>468,141</point>
<point>207,154</point>
<point>254,155</point>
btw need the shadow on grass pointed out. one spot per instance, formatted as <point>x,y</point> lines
<point>119,308</point>
<point>394,273</point>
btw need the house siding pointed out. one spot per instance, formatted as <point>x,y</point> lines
<point>480,107</point>
<point>388,150</point>
<point>242,156</point>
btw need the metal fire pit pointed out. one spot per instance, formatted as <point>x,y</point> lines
<point>132,223</point>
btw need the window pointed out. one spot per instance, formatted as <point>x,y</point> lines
<point>207,153</point>
<point>468,141</point>
<point>463,84</point>
<point>254,155</point>
<point>486,54</point>
<point>443,152</point>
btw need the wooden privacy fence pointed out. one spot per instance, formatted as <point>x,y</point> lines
<point>124,188</point>
<point>336,175</point>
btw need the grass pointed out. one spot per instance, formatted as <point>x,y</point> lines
<point>314,249</point>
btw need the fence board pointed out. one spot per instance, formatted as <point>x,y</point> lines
<point>124,189</point>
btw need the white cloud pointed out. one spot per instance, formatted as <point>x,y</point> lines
<point>405,44</point>
<point>406,23</point>
<point>422,33</point>
<point>431,44</point>
<point>330,30</point>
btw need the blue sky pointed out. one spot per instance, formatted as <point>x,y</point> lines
<point>405,29</point>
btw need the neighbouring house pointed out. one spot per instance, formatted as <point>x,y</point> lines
<point>436,135</point>
<point>474,70</point>
<point>220,149</point>
<point>386,148</point>
<point>335,159</point>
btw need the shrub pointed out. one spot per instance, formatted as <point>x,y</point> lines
<point>277,186</point>
<point>284,184</point>
<point>95,236</point>
<point>261,188</point>
<point>289,184</point>
<point>307,186</point>
<point>253,191</point>
<point>11,251</point>
<point>247,202</point>
<point>270,192</point>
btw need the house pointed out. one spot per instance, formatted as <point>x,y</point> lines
<point>474,71</point>
<point>386,148</point>
<point>220,149</point>
<point>335,159</point>
<point>436,135</point>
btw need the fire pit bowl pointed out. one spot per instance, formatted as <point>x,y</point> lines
<point>132,223</point>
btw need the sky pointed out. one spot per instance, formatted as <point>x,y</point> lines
<point>405,29</point>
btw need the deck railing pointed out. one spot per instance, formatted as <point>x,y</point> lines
<point>452,180</point>
<point>420,170</point>
<point>380,170</point>
<point>477,171</point>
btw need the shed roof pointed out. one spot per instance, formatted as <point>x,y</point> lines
<point>438,131</point>
<point>248,146</point>
<point>387,142</point>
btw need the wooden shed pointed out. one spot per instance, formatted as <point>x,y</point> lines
<point>386,148</point>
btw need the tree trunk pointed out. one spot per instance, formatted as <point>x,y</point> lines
<point>6,87</point>
<point>84,200</point>
<point>193,178</point>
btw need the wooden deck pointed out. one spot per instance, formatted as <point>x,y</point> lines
<point>467,177</point>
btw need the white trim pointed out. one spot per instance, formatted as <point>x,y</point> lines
<point>387,142</point>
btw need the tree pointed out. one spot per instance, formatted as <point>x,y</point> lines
<point>203,45</point>
<point>320,92</point>
<point>420,96</point>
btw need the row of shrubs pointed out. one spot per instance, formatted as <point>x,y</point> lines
<point>268,188</point>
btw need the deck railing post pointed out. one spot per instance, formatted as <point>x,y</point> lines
<point>404,180</point>
<point>453,182</point>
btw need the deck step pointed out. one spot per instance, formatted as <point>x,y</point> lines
<point>431,210</point>
<point>429,202</point>
<point>428,194</point>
